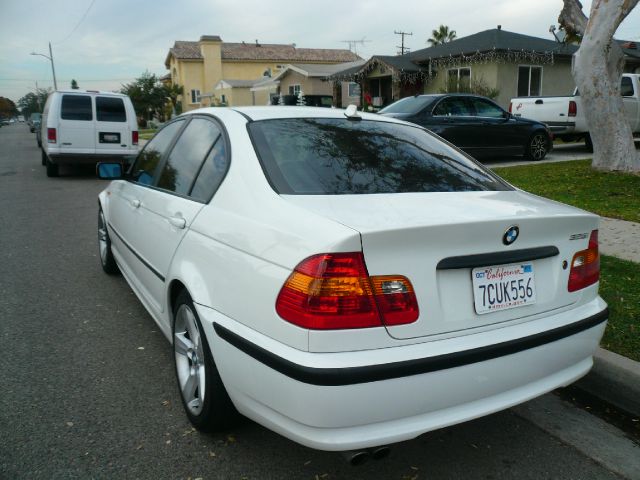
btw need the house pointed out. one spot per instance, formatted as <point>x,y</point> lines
<point>510,64</point>
<point>200,67</point>
<point>308,78</point>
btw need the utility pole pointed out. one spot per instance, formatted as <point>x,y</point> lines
<point>50,58</point>
<point>402,47</point>
<point>353,44</point>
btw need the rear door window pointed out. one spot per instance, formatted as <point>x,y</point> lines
<point>452,107</point>
<point>110,109</point>
<point>187,156</point>
<point>76,107</point>
<point>328,156</point>
<point>144,168</point>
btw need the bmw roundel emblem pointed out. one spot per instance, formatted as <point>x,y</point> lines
<point>511,235</point>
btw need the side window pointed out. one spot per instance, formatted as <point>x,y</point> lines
<point>148,159</point>
<point>486,109</point>
<point>76,107</point>
<point>212,172</point>
<point>186,158</point>
<point>452,107</point>
<point>110,109</point>
<point>626,87</point>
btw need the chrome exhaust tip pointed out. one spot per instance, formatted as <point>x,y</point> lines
<point>356,458</point>
<point>378,453</point>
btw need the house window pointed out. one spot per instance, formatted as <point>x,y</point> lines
<point>195,96</point>
<point>459,79</point>
<point>354,90</point>
<point>294,89</point>
<point>223,99</point>
<point>529,81</point>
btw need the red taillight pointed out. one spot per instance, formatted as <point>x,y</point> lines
<point>585,266</point>
<point>134,137</point>
<point>52,136</point>
<point>334,291</point>
<point>510,106</point>
<point>573,109</point>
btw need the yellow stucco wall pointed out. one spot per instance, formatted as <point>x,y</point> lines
<point>246,70</point>
<point>212,64</point>
<point>235,97</point>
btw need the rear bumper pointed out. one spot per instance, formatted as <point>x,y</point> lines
<point>348,400</point>
<point>90,158</point>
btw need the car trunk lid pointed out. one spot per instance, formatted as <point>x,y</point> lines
<point>438,239</point>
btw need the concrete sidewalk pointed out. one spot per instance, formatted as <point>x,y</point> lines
<point>620,238</point>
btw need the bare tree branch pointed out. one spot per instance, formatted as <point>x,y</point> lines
<point>572,18</point>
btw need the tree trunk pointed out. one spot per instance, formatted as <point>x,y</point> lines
<point>597,68</point>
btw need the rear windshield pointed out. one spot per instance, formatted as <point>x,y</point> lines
<point>110,109</point>
<point>321,156</point>
<point>408,105</point>
<point>76,107</point>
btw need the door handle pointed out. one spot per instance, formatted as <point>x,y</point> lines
<point>178,222</point>
<point>135,203</point>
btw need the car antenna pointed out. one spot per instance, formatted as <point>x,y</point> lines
<point>351,112</point>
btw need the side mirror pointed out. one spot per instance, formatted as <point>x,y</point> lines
<point>109,171</point>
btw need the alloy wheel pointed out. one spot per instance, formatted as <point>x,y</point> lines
<point>538,147</point>
<point>190,359</point>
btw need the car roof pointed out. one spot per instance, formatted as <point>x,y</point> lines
<point>90,92</point>
<point>275,112</point>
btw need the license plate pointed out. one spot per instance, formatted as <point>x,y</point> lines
<point>503,286</point>
<point>109,137</point>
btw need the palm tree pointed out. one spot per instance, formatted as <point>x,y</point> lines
<point>442,35</point>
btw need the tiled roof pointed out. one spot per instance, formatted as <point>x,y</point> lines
<point>288,53</point>
<point>186,50</point>
<point>267,52</point>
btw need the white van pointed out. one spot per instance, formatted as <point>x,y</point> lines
<point>87,126</point>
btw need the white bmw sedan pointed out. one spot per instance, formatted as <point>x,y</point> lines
<point>347,280</point>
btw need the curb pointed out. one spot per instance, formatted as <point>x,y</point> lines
<point>614,379</point>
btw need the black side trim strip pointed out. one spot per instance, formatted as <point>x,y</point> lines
<point>496,258</point>
<point>374,373</point>
<point>138,256</point>
<point>247,117</point>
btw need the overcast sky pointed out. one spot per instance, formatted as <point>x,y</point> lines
<point>114,41</point>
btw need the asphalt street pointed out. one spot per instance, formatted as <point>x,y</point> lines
<point>87,381</point>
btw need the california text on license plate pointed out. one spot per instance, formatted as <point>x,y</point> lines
<point>503,286</point>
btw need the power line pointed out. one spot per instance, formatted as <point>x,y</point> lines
<point>77,24</point>
<point>402,47</point>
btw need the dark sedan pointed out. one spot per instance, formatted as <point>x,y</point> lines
<point>475,124</point>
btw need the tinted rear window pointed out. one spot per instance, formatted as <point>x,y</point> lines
<point>334,156</point>
<point>110,109</point>
<point>76,107</point>
<point>408,105</point>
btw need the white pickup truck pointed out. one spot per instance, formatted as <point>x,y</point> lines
<point>565,117</point>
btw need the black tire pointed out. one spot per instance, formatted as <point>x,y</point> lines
<point>107,261</point>
<point>52,168</point>
<point>44,158</point>
<point>216,412</point>
<point>588,143</point>
<point>537,146</point>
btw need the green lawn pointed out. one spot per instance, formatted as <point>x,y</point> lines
<point>147,133</point>
<point>619,287</point>
<point>615,195</point>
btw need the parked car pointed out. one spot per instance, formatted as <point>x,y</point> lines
<point>34,119</point>
<point>475,124</point>
<point>38,130</point>
<point>347,280</point>
<point>85,126</point>
<point>565,116</point>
